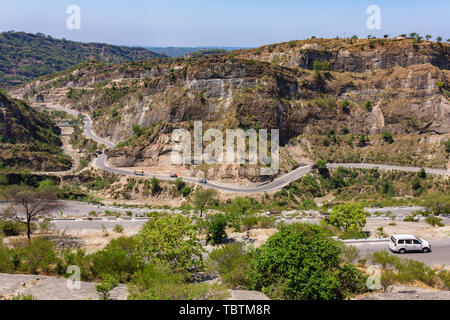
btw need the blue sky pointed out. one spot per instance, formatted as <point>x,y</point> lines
<point>244,23</point>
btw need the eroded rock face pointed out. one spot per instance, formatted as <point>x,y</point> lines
<point>245,91</point>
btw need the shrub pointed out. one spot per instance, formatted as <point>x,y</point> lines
<point>215,229</point>
<point>447,145</point>
<point>349,218</point>
<point>411,270</point>
<point>117,259</point>
<point>37,256</point>
<point>350,253</point>
<point>444,275</point>
<point>78,258</point>
<point>369,106</point>
<point>250,221</point>
<point>321,65</point>
<point>11,228</point>
<point>434,221</point>
<point>108,283</point>
<point>388,137</point>
<point>7,264</point>
<point>388,278</point>
<point>172,240</point>
<point>118,228</point>
<point>301,262</point>
<point>231,262</point>
<point>385,259</point>
<point>161,282</point>
<point>267,222</point>
<point>155,186</point>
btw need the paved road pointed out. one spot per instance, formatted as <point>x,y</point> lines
<point>439,255</point>
<point>276,184</point>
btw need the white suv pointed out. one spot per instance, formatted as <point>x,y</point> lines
<point>403,243</point>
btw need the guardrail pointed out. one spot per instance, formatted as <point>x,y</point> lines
<point>364,240</point>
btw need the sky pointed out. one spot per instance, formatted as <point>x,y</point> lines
<point>236,23</point>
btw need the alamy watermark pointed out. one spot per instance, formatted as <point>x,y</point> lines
<point>232,152</point>
<point>73,282</point>
<point>374,20</point>
<point>73,22</point>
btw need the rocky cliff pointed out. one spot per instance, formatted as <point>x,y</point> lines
<point>28,139</point>
<point>360,94</point>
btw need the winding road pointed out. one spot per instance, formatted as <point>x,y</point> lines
<point>100,163</point>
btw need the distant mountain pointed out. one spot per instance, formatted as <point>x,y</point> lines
<point>25,56</point>
<point>176,52</point>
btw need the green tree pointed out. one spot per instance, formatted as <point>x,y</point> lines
<point>439,39</point>
<point>172,240</point>
<point>202,197</point>
<point>301,262</point>
<point>323,169</point>
<point>388,137</point>
<point>350,218</point>
<point>422,174</point>
<point>215,228</point>
<point>155,185</point>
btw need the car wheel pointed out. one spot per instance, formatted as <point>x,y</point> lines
<point>402,251</point>
<point>425,250</point>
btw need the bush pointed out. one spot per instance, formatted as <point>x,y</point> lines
<point>385,259</point>
<point>444,275</point>
<point>172,240</point>
<point>412,270</point>
<point>11,228</point>
<point>161,282</point>
<point>37,256</point>
<point>267,222</point>
<point>7,259</point>
<point>250,221</point>
<point>231,262</point>
<point>388,278</point>
<point>117,259</point>
<point>215,228</point>
<point>434,221</point>
<point>302,262</point>
<point>349,218</point>
<point>387,136</point>
<point>369,106</point>
<point>118,228</point>
<point>108,283</point>
<point>350,253</point>
<point>447,145</point>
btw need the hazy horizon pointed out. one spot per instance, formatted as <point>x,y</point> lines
<point>201,23</point>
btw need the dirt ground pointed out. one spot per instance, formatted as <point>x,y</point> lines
<point>419,229</point>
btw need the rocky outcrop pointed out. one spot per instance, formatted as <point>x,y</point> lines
<point>272,87</point>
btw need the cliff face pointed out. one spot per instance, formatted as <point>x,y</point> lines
<point>27,139</point>
<point>352,55</point>
<point>394,87</point>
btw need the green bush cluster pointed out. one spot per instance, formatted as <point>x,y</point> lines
<point>302,262</point>
<point>408,270</point>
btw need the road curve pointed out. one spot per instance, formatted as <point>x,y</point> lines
<point>276,184</point>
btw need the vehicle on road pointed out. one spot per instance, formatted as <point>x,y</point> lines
<point>402,243</point>
<point>173,175</point>
<point>203,181</point>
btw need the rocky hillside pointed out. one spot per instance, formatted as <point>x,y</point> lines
<point>382,101</point>
<point>28,140</point>
<point>25,56</point>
